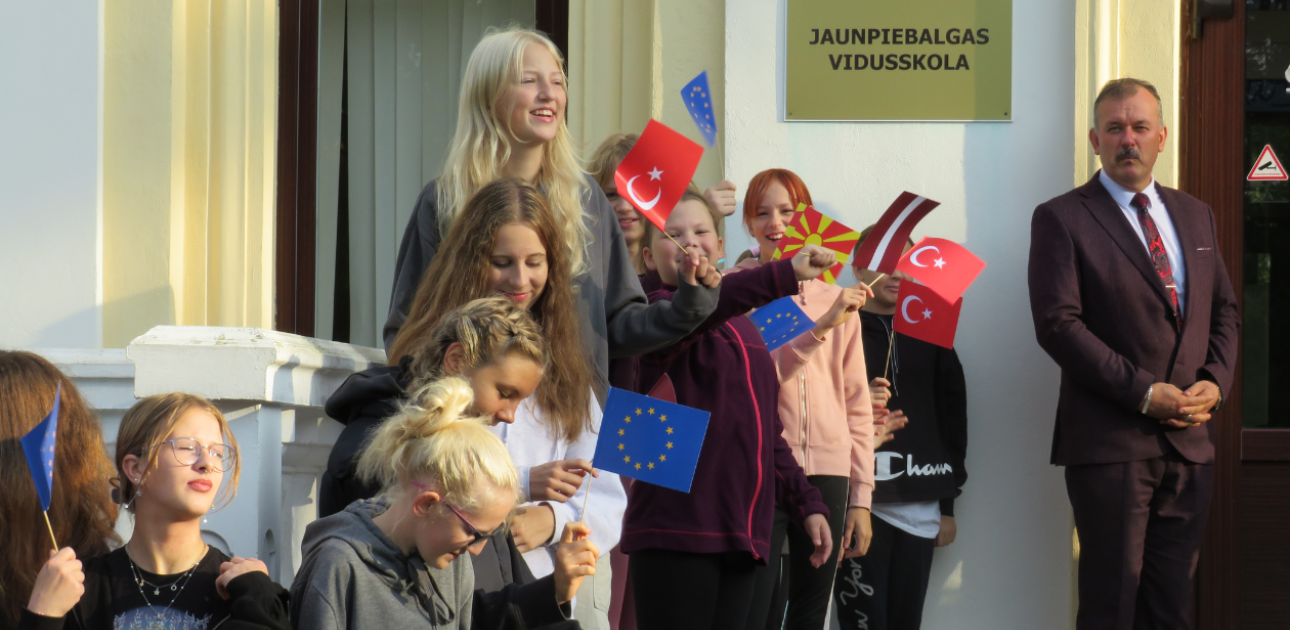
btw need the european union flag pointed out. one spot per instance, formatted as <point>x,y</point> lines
<point>38,445</point>
<point>698,99</point>
<point>650,440</point>
<point>780,322</point>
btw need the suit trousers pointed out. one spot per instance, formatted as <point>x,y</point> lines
<point>1140,526</point>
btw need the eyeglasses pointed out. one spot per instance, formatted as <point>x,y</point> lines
<point>475,534</point>
<point>188,451</point>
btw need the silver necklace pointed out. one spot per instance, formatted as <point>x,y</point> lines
<point>176,586</point>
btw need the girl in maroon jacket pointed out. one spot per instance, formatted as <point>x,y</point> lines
<point>693,554</point>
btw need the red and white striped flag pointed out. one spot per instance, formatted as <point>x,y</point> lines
<point>884,244</point>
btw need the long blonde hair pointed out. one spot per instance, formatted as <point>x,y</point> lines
<point>481,145</point>
<point>433,439</point>
<point>144,429</point>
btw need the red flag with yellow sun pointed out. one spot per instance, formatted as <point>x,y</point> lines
<point>810,227</point>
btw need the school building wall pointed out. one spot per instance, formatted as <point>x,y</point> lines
<point>1013,565</point>
<point>136,189</point>
<point>51,212</point>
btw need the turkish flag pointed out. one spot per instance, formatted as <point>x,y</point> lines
<point>657,170</point>
<point>944,266</point>
<point>922,314</point>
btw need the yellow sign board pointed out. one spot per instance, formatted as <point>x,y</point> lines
<point>899,60</point>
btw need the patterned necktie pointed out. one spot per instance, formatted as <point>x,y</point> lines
<point>1157,246</point>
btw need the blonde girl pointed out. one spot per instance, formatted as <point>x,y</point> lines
<point>396,562</point>
<point>511,123</point>
<point>176,459</point>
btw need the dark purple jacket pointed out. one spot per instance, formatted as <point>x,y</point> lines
<point>723,368</point>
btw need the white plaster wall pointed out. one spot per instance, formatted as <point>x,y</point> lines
<point>50,174</point>
<point>1011,566</point>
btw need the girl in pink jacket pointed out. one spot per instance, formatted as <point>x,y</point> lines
<point>827,413</point>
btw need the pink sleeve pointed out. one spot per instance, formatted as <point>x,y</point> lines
<point>859,414</point>
<point>791,357</point>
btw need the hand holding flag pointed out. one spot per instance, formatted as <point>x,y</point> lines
<point>942,266</point>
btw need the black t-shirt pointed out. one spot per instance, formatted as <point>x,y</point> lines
<point>115,599</point>
<point>184,601</point>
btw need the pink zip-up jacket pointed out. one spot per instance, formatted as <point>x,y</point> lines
<point>824,399</point>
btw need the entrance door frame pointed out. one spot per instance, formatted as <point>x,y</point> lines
<point>295,250</point>
<point>1212,122</point>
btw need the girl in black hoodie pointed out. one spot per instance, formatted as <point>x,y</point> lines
<point>918,473</point>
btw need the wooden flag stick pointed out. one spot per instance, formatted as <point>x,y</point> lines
<point>586,499</point>
<point>891,343</point>
<point>51,530</point>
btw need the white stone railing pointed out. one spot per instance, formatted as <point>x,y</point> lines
<point>270,386</point>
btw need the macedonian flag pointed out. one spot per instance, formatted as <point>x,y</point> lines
<point>810,227</point>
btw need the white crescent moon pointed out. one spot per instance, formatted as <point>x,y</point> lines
<point>644,205</point>
<point>913,258</point>
<point>904,307</point>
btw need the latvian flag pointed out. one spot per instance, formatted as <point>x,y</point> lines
<point>885,243</point>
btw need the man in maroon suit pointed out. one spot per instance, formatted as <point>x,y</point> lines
<point>1131,298</point>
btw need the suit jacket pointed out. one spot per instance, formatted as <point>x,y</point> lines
<point>1102,313</point>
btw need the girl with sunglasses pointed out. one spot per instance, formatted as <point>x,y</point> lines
<point>175,459</point>
<point>397,561</point>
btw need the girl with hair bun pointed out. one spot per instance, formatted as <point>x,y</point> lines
<point>396,561</point>
<point>176,458</point>
<point>507,245</point>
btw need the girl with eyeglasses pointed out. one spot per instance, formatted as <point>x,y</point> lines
<point>397,561</point>
<point>175,459</point>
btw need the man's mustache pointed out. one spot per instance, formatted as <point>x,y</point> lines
<point>1126,153</point>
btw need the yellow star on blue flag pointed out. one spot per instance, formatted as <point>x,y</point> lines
<point>669,447</point>
<point>780,322</point>
<point>698,100</point>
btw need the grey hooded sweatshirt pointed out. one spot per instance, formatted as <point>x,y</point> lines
<point>354,577</point>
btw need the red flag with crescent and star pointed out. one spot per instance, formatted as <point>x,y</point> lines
<point>942,265</point>
<point>922,314</point>
<point>812,227</point>
<point>657,170</point>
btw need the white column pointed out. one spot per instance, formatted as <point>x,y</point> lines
<point>271,387</point>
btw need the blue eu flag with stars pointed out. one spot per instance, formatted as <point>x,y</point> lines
<point>38,446</point>
<point>650,440</point>
<point>780,322</point>
<point>698,99</point>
